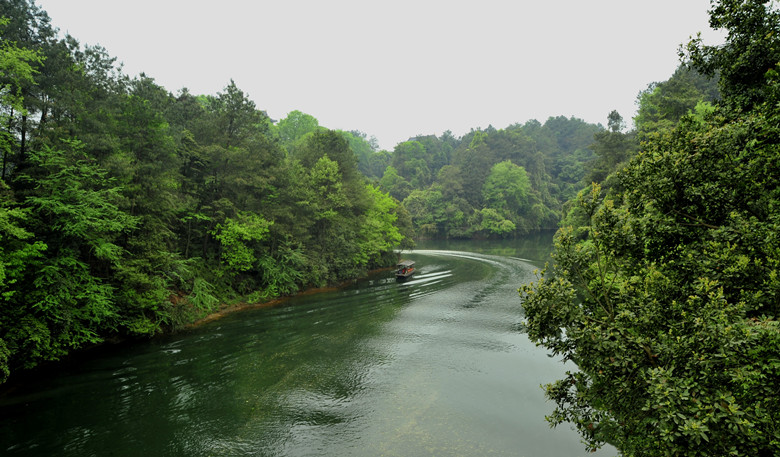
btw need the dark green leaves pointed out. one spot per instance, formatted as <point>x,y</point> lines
<point>666,295</point>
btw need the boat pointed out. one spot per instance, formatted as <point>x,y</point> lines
<point>404,269</point>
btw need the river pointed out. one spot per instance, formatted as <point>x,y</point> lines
<point>435,366</point>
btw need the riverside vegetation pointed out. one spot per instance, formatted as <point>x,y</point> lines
<point>665,290</point>
<point>127,210</point>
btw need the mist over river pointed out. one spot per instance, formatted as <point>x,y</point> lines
<point>435,366</point>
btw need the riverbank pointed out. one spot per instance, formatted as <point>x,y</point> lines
<point>110,343</point>
<point>227,309</point>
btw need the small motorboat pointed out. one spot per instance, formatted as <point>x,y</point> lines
<point>404,269</point>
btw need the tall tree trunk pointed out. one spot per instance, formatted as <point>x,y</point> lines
<point>10,139</point>
<point>22,143</point>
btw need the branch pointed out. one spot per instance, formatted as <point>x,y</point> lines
<point>698,222</point>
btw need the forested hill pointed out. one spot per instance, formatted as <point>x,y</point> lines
<point>128,210</point>
<point>489,183</point>
<point>125,210</point>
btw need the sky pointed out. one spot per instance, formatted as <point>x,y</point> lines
<point>402,68</point>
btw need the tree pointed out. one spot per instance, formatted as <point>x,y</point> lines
<point>667,296</point>
<point>378,234</point>
<point>506,188</point>
<point>363,150</point>
<point>237,238</point>
<point>127,211</point>
<point>237,117</point>
<point>63,299</point>
<point>25,27</point>
<point>409,158</point>
<point>394,184</point>
<point>18,249</point>
<point>751,51</point>
<point>612,147</point>
<point>295,126</point>
<point>663,104</point>
<point>493,223</point>
<point>16,72</point>
<point>474,160</point>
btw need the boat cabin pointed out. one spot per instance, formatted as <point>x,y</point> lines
<point>404,269</point>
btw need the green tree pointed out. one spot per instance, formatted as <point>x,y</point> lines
<point>663,104</point>
<point>236,116</point>
<point>18,249</point>
<point>426,210</point>
<point>506,188</point>
<point>493,222</point>
<point>295,126</point>
<point>237,238</point>
<point>363,149</point>
<point>67,298</point>
<point>612,148</point>
<point>752,50</point>
<point>16,72</point>
<point>394,184</point>
<point>409,158</point>
<point>666,297</point>
<point>474,160</point>
<point>378,234</point>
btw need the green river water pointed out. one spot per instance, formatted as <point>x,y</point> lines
<point>435,366</point>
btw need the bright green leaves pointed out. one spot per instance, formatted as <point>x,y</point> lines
<point>59,288</point>
<point>17,68</point>
<point>166,205</point>
<point>78,201</point>
<point>507,187</point>
<point>327,189</point>
<point>378,233</point>
<point>505,194</point>
<point>239,237</point>
<point>394,184</point>
<point>295,126</point>
<point>751,51</point>
<point>17,249</point>
<point>494,223</point>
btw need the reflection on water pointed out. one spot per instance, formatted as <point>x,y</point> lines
<point>535,248</point>
<point>432,366</point>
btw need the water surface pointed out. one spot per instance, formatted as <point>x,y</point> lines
<point>435,366</point>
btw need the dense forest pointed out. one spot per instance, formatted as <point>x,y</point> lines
<point>490,183</point>
<point>665,287</point>
<point>126,210</point>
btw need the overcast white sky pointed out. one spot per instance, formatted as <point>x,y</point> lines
<point>396,69</point>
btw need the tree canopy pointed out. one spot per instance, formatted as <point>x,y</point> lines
<point>128,211</point>
<point>664,291</point>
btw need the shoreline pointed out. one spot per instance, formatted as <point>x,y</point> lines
<point>18,378</point>
<point>225,310</point>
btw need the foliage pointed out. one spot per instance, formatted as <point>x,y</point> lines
<point>295,126</point>
<point>612,147</point>
<point>63,295</point>
<point>236,236</point>
<point>506,187</point>
<point>16,71</point>
<point>750,52</point>
<point>663,104</point>
<point>665,293</point>
<point>126,210</point>
<point>447,184</point>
